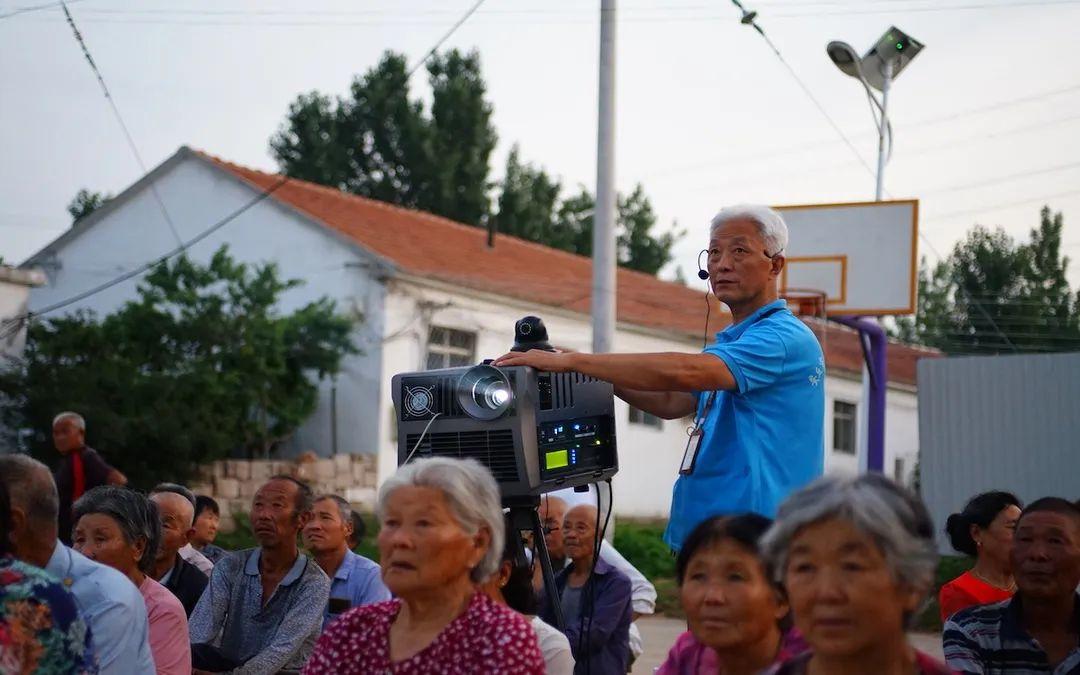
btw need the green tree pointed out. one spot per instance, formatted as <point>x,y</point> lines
<point>379,143</point>
<point>995,295</point>
<point>84,203</point>
<point>200,366</point>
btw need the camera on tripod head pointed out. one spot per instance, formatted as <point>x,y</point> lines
<point>536,432</point>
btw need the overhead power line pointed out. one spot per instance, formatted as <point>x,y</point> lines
<point>120,119</point>
<point>445,37</point>
<point>35,8</point>
<point>14,324</point>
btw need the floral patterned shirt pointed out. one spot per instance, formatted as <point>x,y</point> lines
<point>487,639</point>
<point>40,628</point>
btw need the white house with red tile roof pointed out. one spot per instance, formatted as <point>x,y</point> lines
<point>431,293</point>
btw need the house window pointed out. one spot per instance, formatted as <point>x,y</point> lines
<point>843,427</point>
<point>642,417</point>
<point>449,348</point>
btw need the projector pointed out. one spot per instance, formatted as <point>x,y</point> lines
<point>536,432</point>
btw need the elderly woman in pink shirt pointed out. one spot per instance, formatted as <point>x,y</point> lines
<point>738,617</point>
<point>120,528</point>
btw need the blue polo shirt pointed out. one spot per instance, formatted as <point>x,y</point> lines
<point>357,580</point>
<point>764,439</point>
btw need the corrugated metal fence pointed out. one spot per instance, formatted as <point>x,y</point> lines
<point>998,422</point>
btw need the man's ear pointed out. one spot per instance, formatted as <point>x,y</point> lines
<point>778,261</point>
<point>188,534</point>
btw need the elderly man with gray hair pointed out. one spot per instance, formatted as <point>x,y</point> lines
<point>109,603</point>
<point>81,468</point>
<point>757,393</point>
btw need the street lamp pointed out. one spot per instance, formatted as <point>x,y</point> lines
<point>876,70</point>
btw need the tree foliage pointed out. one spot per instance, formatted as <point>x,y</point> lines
<point>378,142</point>
<point>995,295</point>
<point>84,203</point>
<point>200,366</point>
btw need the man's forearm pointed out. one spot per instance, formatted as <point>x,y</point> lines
<point>668,405</point>
<point>656,372</point>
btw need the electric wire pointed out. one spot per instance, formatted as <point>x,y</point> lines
<point>34,8</point>
<point>444,38</point>
<point>16,323</point>
<point>120,119</point>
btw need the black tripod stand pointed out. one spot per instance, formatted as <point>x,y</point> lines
<point>525,517</point>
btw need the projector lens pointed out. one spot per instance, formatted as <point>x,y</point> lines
<point>484,393</point>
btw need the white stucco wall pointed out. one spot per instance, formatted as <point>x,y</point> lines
<point>648,457</point>
<point>196,197</point>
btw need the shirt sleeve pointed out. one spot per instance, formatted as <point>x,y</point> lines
<point>121,634</point>
<point>96,468</point>
<point>642,592</point>
<point>372,590</point>
<point>755,360</point>
<point>303,619</point>
<point>963,653</point>
<point>209,614</point>
<point>332,644</point>
<point>952,598</point>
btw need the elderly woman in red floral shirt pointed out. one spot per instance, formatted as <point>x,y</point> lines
<point>441,534</point>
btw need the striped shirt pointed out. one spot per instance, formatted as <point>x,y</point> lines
<point>991,640</point>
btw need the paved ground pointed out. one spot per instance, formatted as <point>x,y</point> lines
<point>659,634</point>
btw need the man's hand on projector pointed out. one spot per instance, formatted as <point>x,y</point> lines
<point>548,362</point>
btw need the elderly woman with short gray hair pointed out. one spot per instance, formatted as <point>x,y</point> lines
<point>441,534</point>
<point>120,528</point>
<point>857,558</point>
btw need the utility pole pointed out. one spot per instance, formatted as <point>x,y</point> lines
<point>603,253</point>
<point>886,72</point>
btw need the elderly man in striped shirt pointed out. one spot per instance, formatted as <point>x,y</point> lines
<point>1038,630</point>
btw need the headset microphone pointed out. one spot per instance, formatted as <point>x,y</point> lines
<point>701,273</point>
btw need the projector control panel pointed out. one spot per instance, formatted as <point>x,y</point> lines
<point>570,447</point>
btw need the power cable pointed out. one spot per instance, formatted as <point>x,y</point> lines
<point>750,19</point>
<point>444,38</point>
<point>35,8</point>
<point>1005,205</point>
<point>120,119</point>
<point>1000,179</point>
<point>15,323</point>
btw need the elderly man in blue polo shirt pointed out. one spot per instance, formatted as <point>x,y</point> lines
<point>263,608</point>
<point>757,393</point>
<point>354,580</point>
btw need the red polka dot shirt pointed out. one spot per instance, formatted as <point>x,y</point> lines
<point>486,638</point>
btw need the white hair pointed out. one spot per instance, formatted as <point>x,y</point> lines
<point>894,518</point>
<point>770,224</point>
<point>75,417</point>
<point>471,492</point>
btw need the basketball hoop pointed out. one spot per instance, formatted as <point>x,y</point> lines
<point>806,302</point>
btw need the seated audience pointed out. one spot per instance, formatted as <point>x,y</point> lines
<point>264,606</point>
<point>857,558</point>
<point>120,528</point>
<point>187,551</point>
<point>984,531</point>
<point>1038,629</point>
<point>354,580</point>
<point>642,593</point>
<point>442,534</point>
<point>737,612</point>
<point>180,577</point>
<point>111,606</point>
<point>205,529</point>
<point>595,600</point>
<point>40,627</point>
<point>511,585</point>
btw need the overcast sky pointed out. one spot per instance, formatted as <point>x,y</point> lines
<point>987,118</point>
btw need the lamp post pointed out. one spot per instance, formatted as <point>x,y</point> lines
<point>876,70</point>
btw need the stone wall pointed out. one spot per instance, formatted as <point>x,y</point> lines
<point>233,482</point>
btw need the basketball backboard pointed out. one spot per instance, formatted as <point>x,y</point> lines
<point>862,256</point>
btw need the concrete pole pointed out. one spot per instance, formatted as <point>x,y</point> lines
<point>604,260</point>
